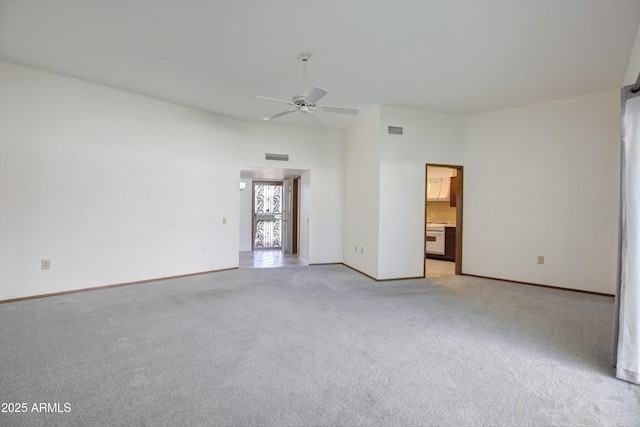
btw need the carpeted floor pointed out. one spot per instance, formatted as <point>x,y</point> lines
<point>320,345</point>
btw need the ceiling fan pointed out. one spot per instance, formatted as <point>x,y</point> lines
<point>306,102</point>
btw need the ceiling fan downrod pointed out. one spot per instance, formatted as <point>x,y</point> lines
<point>304,57</point>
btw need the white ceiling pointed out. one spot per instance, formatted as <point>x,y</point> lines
<point>449,56</point>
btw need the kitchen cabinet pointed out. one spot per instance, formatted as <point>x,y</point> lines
<point>453,191</point>
<point>450,243</point>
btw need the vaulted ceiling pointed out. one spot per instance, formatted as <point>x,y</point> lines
<point>449,56</point>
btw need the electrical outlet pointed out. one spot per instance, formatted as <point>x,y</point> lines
<point>540,259</point>
<point>362,250</point>
<point>45,264</point>
<point>224,220</point>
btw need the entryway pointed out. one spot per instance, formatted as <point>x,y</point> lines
<point>268,258</point>
<point>270,212</point>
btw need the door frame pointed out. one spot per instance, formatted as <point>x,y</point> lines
<point>459,222</point>
<point>295,216</point>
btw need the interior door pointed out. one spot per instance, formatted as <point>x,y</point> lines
<point>267,215</point>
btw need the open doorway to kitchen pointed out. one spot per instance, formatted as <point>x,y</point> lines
<point>443,220</point>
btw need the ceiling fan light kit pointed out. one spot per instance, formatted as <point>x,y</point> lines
<point>306,102</point>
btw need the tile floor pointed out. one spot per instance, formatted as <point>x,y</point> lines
<point>273,258</point>
<point>268,258</point>
<point>435,268</point>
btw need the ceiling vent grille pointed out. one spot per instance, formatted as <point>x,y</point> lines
<point>395,130</point>
<point>279,157</point>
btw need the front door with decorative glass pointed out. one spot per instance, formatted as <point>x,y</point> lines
<point>267,215</point>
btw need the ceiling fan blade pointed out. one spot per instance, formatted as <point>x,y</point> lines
<point>277,100</point>
<point>315,95</point>
<point>319,120</point>
<point>275,116</point>
<point>341,110</point>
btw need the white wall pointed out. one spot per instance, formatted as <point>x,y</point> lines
<point>427,138</point>
<point>362,193</point>
<point>245,216</point>
<point>544,180</point>
<point>305,217</point>
<point>633,69</point>
<point>114,187</point>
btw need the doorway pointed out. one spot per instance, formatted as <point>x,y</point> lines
<point>259,245</point>
<point>267,215</point>
<point>443,220</point>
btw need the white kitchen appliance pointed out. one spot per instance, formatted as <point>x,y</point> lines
<point>435,238</point>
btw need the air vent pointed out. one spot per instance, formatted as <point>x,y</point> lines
<point>279,157</point>
<point>395,130</point>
